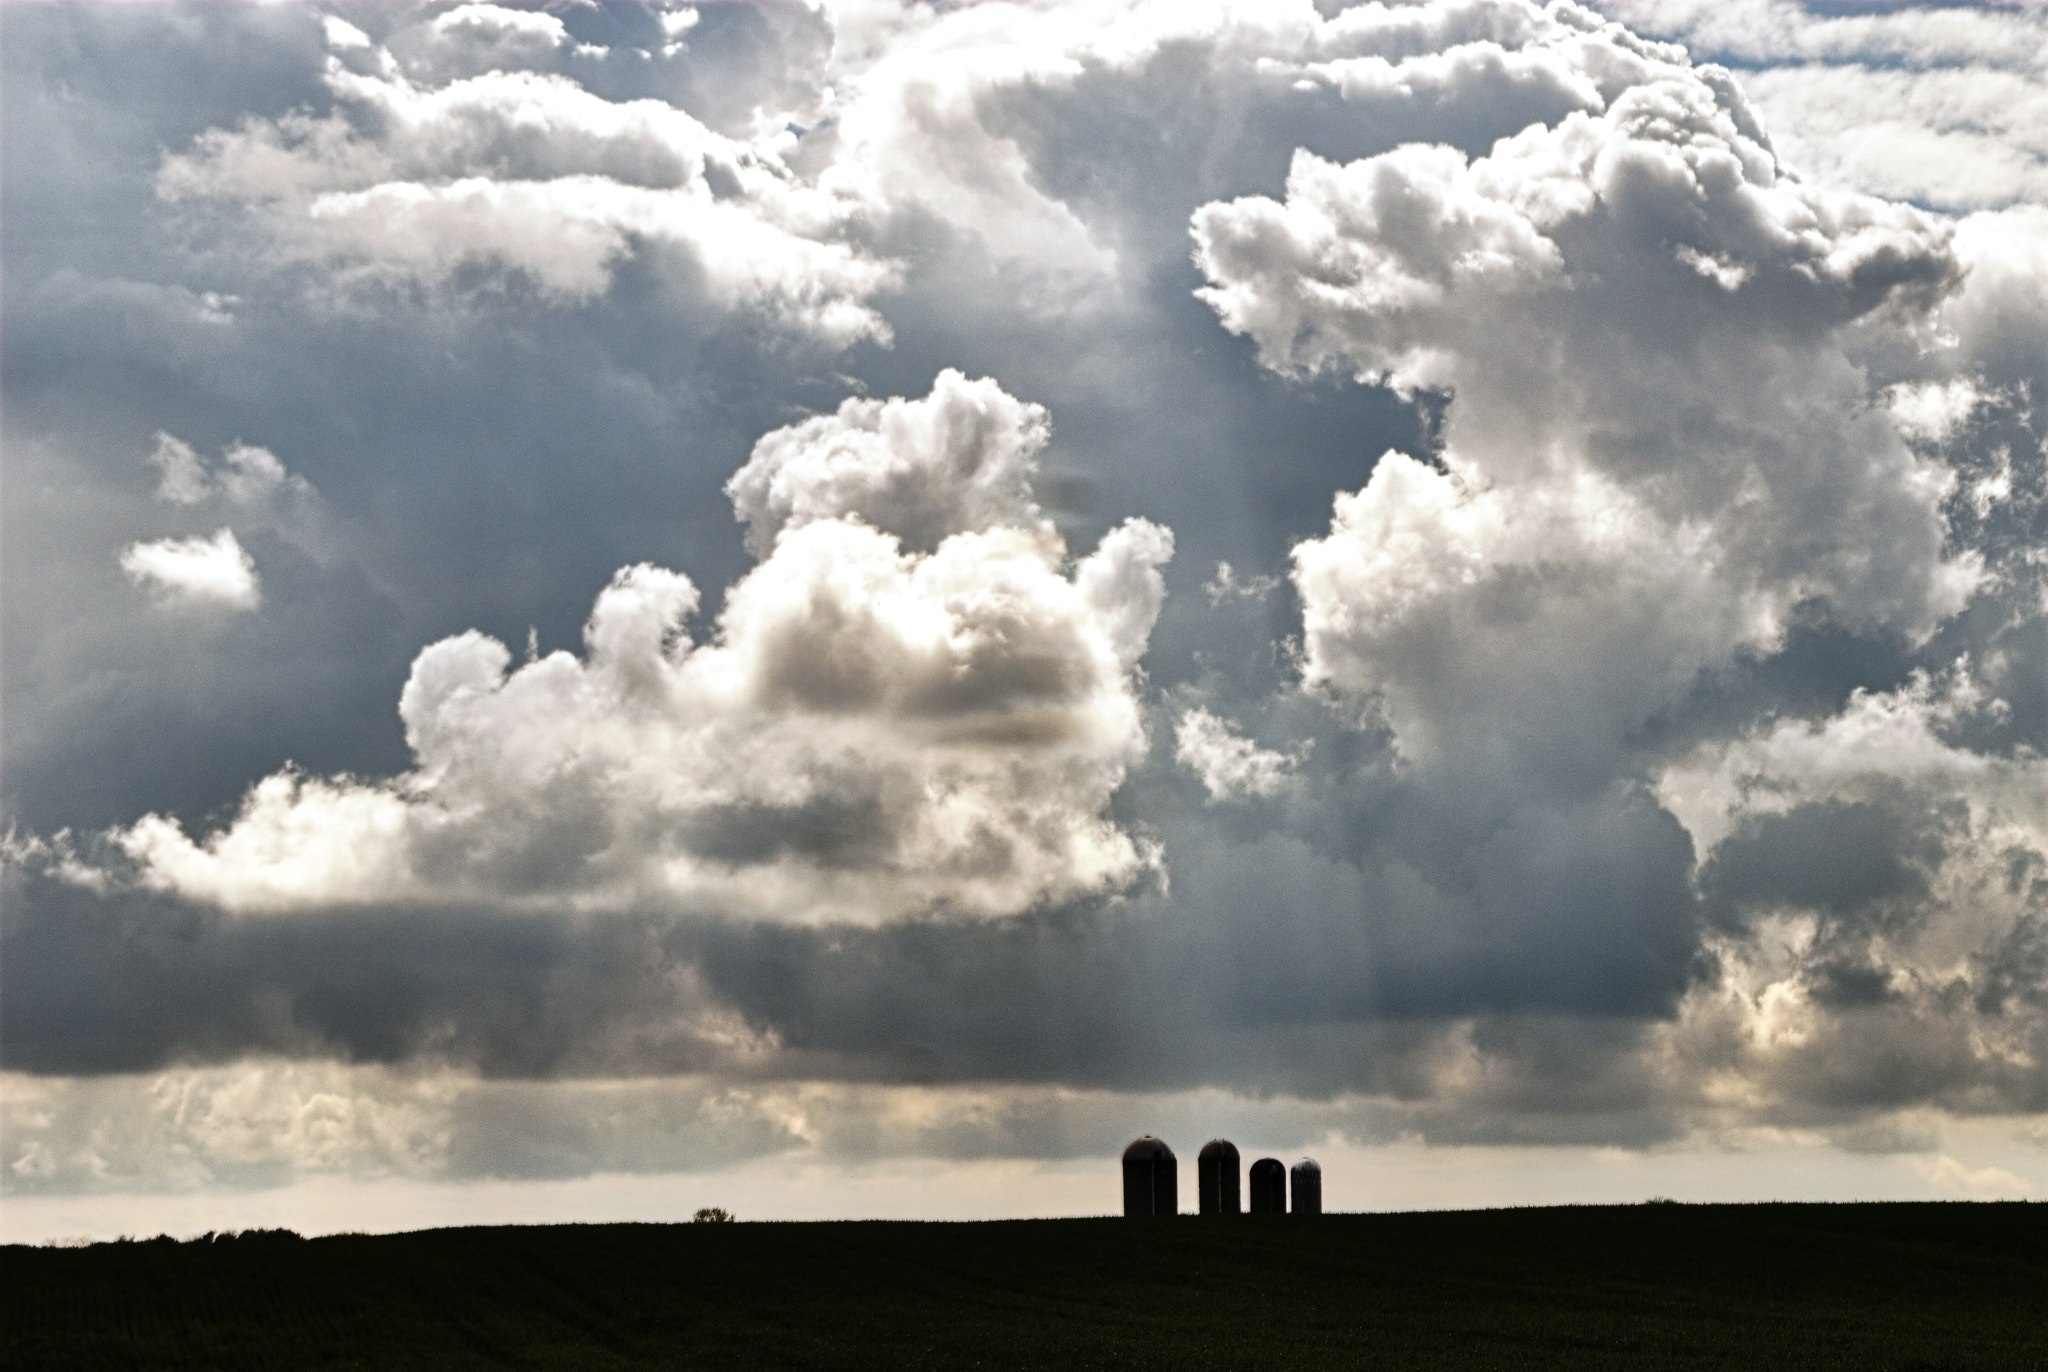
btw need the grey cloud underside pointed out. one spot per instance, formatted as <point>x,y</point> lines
<point>1269,983</point>
<point>1514,938</point>
<point>1154,996</point>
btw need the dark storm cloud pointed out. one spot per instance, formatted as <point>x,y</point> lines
<point>1836,857</point>
<point>136,983</point>
<point>1811,674</point>
<point>1145,998</point>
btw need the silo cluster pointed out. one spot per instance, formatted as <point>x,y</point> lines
<point>1152,1186</point>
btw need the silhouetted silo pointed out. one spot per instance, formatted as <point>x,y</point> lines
<point>1307,1183</point>
<point>1216,1177</point>
<point>1151,1178</point>
<point>1269,1187</point>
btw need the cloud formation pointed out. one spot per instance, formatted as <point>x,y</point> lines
<point>1570,290</point>
<point>1941,106</point>
<point>245,475</point>
<point>1229,764</point>
<point>1616,716</point>
<point>461,153</point>
<point>200,571</point>
<point>909,705</point>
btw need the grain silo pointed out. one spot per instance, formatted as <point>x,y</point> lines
<point>1269,1187</point>
<point>1151,1178</point>
<point>1216,1178</point>
<point>1306,1181</point>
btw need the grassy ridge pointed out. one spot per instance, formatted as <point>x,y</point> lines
<point>1641,1287</point>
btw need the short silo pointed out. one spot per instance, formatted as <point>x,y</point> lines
<point>1269,1187</point>
<point>1151,1178</point>
<point>1306,1181</point>
<point>1216,1177</point>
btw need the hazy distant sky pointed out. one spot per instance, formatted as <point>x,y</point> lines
<point>835,610</point>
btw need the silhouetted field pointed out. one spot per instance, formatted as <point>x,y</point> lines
<point>1640,1287</point>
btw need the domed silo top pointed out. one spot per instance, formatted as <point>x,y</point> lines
<point>1216,1178</point>
<point>1148,1149</point>
<point>1305,1180</point>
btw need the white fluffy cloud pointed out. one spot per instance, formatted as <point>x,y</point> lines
<point>487,164</point>
<point>1999,321</point>
<point>1945,106</point>
<point>951,111</point>
<point>1956,138</point>
<point>1909,36</point>
<point>196,571</point>
<point>1672,426</point>
<point>1574,561</point>
<point>1230,765</point>
<point>871,729</point>
<point>922,470</point>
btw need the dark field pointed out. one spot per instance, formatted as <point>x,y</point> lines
<point>1641,1287</point>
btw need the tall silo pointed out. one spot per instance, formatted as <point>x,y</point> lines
<point>1151,1178</point>
<point>1216,1177</point>
<point>1269,1187</point>
<point>1306,1180</point>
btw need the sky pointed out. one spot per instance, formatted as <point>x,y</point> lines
<point>835,610</point>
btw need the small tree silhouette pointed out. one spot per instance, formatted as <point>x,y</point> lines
<point>712,1214</point>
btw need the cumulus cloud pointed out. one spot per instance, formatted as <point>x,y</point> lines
<point>494,37</point>
<point>1230,765</point>
<point>196,571</point>
<point>1940,105</point>
<point>1532,604</point>
<point>1960,138</point>
<point>871,729</point>
<point>922,470</point>
<point>1916,36</point>
<point>1998,318</point>
<point>973,117</point>
<point>1879,895</point>
<point>1542,287</point>
<point>1930,411</point>
<point>477,162</point>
